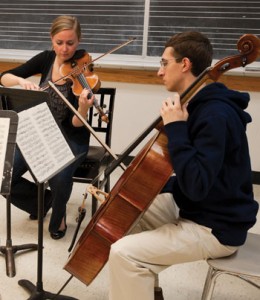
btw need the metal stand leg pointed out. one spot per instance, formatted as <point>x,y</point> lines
<point>37,292</point>
<point>9,250</point>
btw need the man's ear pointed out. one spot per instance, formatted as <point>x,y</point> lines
<point>186,64</point>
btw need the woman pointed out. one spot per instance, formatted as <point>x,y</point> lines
<point>65,37</point>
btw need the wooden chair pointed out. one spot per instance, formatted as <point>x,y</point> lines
<point>97,158</point>
<point>243,264</point>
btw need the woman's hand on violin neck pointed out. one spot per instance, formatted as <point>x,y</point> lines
<point>86,100</point>
<point>84,104</point>
<point>173,111</point>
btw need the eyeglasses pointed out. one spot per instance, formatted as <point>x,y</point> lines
<point>165,62</point>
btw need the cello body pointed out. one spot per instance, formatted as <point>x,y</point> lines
<point>128,200</point>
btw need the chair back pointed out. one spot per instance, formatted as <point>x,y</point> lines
<point>106,100</point>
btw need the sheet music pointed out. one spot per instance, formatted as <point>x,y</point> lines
<point>41,142</point>
<point>4,131</point>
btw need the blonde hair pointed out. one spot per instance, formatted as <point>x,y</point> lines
<point>65,23</point>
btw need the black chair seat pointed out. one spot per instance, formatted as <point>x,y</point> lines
<point>90,167</point>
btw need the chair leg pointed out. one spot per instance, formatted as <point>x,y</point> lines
<point>210,283</point>
<point>93,206</point>
<point>107,185</point>
<point>248,281</point>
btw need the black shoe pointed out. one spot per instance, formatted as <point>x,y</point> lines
<point>158,294</point>
<point>47,206</point>
<point>59,234</point>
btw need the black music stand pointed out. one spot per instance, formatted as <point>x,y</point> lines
<point>21,100</point>
<point>9,250</point>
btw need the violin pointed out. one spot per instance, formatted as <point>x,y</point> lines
<point>74,69</point>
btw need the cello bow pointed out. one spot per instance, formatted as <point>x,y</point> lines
<point>140,183</point>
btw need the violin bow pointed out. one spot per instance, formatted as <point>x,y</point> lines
<point>104,54</point>
<point>114,49</point>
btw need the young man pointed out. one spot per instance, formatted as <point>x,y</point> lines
<point>207,207</point>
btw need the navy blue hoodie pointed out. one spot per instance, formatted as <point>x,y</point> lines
<point>210,157</point>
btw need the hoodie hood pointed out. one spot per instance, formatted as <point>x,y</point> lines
<point>218,91</point>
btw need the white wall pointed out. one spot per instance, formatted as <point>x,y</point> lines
<point>137,105</point>
<point>254,129</point>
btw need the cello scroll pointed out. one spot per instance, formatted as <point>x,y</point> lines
<point>248,46</point>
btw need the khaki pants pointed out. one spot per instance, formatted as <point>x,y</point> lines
<point>160,239</point>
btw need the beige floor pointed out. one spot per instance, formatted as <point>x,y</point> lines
<point>181,282</point>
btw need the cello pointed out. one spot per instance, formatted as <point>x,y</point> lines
<point>141,182</point>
